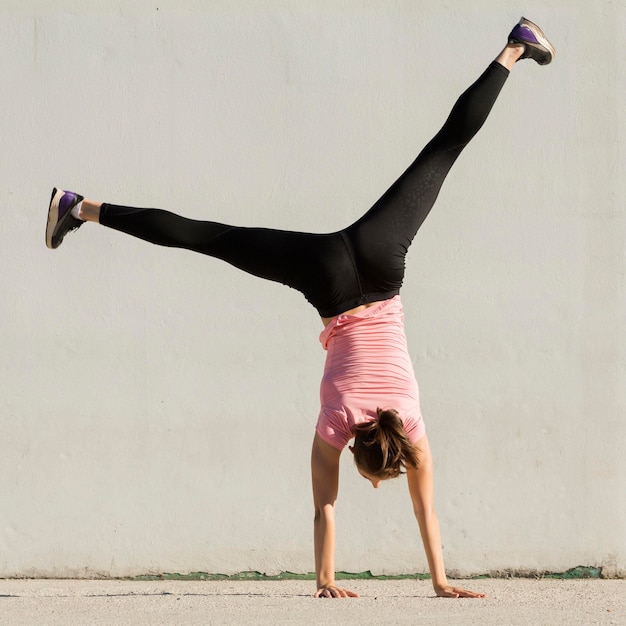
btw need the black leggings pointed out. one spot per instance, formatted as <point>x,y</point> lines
<point>336,271</point>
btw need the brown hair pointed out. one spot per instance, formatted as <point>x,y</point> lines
<point>382,448</point>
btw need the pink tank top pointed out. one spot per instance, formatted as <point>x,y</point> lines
<point>367,367</point>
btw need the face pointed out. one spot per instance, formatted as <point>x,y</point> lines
<point>375,481</point>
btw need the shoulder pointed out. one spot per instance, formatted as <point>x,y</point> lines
<point>414,427</point>
<point>333,428</point>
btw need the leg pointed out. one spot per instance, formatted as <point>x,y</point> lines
<point>335,272</point>
<point>339,271</point>
<point>381,238</point>
<point>314,264</point>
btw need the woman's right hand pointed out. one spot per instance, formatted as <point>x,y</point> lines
<point>331,591</point>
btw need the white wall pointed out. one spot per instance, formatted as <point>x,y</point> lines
<point>157,407</point>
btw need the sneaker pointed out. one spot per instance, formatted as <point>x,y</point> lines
<point>536,44</point>
<point>60,218</point>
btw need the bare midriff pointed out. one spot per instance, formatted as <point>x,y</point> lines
<point>327,320</point>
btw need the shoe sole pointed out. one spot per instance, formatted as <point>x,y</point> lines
<point>541,38</point>
<point>53,216</point>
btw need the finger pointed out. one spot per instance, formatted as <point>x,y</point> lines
<point>335,592</point>
<point>343,593</point>
<point>466,593</point>
<point>346,593</point>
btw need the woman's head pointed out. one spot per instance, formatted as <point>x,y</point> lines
<point>381,448</point>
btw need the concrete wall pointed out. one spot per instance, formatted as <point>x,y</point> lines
<point>157,407</point>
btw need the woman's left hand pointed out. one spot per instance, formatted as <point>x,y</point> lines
<point>457,592</point>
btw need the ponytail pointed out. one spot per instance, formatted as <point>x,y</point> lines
<point>382,448</point>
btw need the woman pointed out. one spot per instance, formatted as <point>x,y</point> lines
<point>353,279</point>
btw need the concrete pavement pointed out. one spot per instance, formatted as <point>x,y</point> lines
<point>510,602</point>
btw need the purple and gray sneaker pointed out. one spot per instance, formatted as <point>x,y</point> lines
<point>60,218</point>
<point>536,44</point>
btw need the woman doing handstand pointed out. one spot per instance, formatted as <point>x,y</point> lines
<point>353,279</point>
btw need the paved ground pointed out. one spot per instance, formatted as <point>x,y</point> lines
<point>510,602</point>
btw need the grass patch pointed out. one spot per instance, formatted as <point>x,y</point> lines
<point>571,574</point>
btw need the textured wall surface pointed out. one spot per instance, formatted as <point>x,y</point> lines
<point>157,406</point>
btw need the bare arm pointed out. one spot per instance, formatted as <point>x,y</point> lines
<point>421,488</point>
<point>325,478</point>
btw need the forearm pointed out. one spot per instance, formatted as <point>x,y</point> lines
<point>420,482</point>
<point>324,540</point>
<point>431,539</point>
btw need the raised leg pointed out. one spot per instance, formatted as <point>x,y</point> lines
<point>381,238</point>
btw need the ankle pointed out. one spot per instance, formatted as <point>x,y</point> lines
<point>515,49</point>
<point>511,53</point>
<point>89,211</point>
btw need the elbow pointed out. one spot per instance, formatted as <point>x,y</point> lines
<point>323,512</point>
